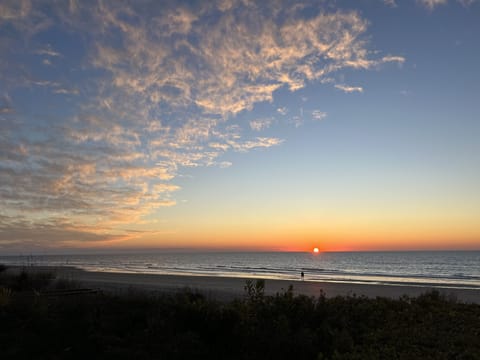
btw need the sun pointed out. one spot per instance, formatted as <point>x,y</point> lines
<point>315,250</point>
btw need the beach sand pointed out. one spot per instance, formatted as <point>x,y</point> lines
<point>227,288</point>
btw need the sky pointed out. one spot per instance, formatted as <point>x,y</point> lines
<point>239,125</point>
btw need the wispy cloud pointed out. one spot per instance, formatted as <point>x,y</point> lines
<point>14,10</point>
<point>6,105</point>
<point>391,3</point>
<point>432,4</point>
<point>66,91</point>
<point>467,3</point>
<point>48,51</point>
<point>391,58</point>
<point>260,124</point>
<point>296,120</point>
<point>318,115</point>
<point>259,142</point>
<point>20,234</point>
<point>349,89</point>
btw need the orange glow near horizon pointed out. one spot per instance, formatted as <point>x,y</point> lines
<point>293,239</point>
<point>303,231</point>
<point>272,229</point>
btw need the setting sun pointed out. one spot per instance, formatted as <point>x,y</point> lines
<point>315,250</point>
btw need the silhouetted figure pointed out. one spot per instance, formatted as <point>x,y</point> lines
<point>302,275</point>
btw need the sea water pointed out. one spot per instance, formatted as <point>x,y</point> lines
<point>456,269</point>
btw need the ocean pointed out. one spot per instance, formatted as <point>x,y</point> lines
<point>455,269</point>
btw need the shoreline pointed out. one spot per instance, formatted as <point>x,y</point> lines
<point>228,288</point>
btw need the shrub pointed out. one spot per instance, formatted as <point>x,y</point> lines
<point>189,325</point>
<point>255,290</point>
<point>5,296</point>
<point>31,280</point>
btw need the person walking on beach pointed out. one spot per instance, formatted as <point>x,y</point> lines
<point>302,275</point>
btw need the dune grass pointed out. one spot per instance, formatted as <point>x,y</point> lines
<point>187,325</point>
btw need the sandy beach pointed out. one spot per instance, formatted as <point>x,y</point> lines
<point>226,288</point>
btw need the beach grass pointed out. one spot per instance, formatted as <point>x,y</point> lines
<point>188,325</point>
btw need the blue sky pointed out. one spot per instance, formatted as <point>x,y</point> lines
<point>227,123</point>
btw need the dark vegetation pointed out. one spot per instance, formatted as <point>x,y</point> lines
<point>189,326</point>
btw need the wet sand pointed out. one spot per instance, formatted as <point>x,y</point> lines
<point>226,288</point>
